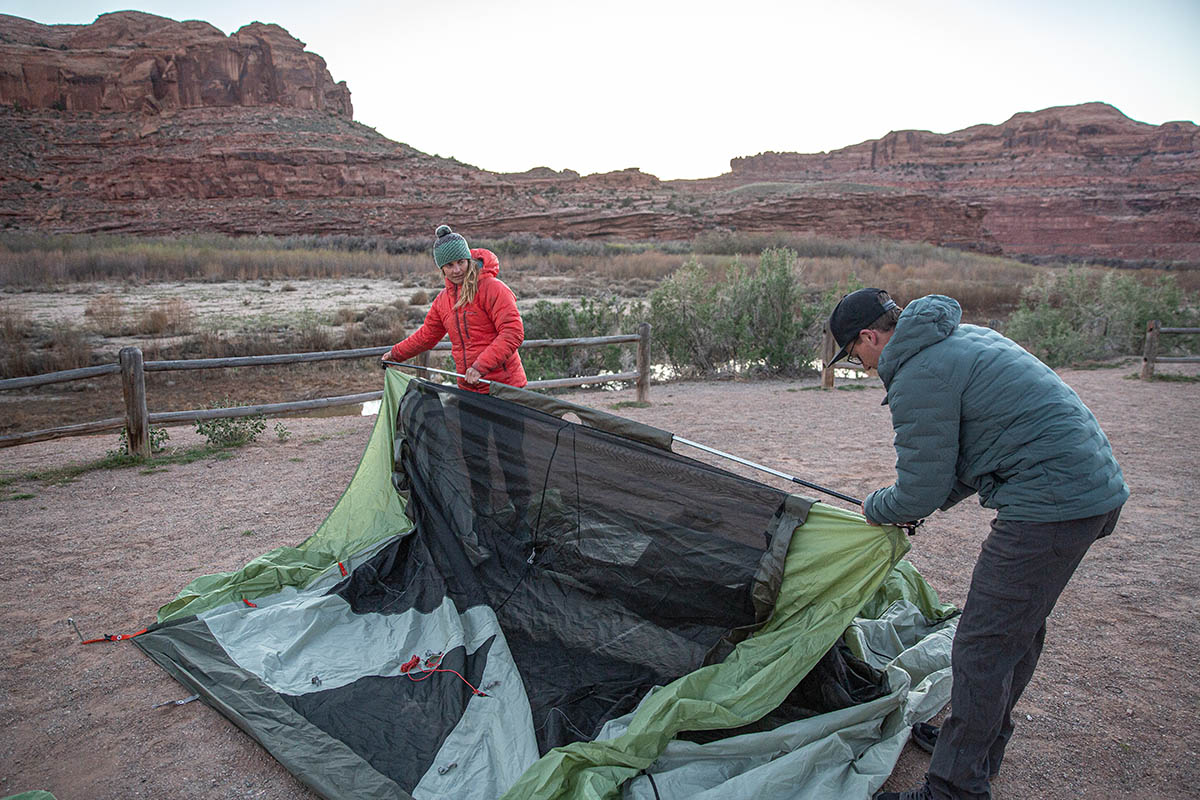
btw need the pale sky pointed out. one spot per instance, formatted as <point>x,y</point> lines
<point>679,87</point>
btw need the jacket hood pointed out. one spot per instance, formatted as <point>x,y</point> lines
<point>489,266</point>
<point>925,322</point>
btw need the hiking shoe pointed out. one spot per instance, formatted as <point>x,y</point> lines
<point>922,792</point>
<point>925,736</point>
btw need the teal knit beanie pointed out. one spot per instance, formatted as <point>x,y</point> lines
<point>450,246</point>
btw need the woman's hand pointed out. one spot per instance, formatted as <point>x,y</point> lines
<point>472,375</point>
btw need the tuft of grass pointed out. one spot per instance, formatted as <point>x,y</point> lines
<point>630,404</point>
<point>174,316</point>
<point>18,496</point>
<point>15,328</point>
<point>68,348</point>
<point>107,314</point>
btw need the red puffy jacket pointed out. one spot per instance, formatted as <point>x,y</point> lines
<point>484,333</point>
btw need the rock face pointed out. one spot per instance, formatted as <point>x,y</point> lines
<point>130,61</point>
<point>140,124</point>
<point>1078,181</point>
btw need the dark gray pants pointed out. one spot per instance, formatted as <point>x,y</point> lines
<point>1021,571</point>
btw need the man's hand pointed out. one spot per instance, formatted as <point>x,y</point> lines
<point>472,375</point>
<point>869,520</point>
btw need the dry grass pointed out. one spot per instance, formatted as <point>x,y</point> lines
<point>67,260</point>
<point>15,357</point>
<point>107,314</point>
<point>345,315</point>
<point>173,316</point>
<point>68,349</point>
<point>30,349</point>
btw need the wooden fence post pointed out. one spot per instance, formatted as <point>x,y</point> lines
<point>1150,351</point>
<point>827,353</point>
<point>643,363</point>
<point>133,386</point>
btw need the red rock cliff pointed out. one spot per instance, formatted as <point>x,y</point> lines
<point>131,61</point>
<point>1080,181</point>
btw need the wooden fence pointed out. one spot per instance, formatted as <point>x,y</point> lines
<point>137,419</point>
<point>1150,355</point>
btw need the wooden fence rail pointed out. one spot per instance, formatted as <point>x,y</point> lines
<point>1150,355</point>
<point>137,419</point>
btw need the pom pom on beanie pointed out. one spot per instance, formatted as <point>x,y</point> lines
<point>449,246</point>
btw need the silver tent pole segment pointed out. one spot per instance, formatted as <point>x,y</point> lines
<point>774,472</point>
<point>679,439</point>
<point>387,363</point>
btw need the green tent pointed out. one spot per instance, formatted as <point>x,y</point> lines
<point>505,603</point>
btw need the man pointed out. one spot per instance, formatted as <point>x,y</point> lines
<point>973,412</point>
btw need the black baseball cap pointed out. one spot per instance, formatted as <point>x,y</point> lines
<point>854,314</point>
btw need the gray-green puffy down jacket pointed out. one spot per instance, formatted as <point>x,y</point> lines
<point>974,412</point>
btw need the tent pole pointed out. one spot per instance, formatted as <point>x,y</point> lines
<point>387,364</point>
<point>774,472</point>
<point>680,439</point>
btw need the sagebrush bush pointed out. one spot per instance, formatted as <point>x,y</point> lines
<point>1076,315</point>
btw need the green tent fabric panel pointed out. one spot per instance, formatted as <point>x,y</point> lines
<point>836,563</point>
<point>843,754</point>
<point>905,583</point>
<point>258,710</point>
<point>368,511</point>
<point>35,794</point>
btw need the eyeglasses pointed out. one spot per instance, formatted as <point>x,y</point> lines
<point>850,357</point>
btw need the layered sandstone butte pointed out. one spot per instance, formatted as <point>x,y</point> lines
<point>1078,181</point>
<point>130,61</point>
<point>140,124</point>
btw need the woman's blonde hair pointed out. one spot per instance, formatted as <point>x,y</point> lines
<point>470,285</point>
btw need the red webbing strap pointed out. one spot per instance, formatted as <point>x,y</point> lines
<point>118,637</point>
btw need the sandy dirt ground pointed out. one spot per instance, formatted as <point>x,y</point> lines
<point>1111,712</point>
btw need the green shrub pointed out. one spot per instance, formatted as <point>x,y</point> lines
<point>1073,316</point>
<point>592,317</point>
<point>231,431</point>
<point>158,442</point>
<point>756,318</point>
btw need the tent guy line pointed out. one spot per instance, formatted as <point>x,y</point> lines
<point>831,492</point>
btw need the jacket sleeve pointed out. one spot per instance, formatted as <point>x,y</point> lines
<point>961,491</point>
<point>430,333</point>
<point>499,303</point>
<point>925,415</point>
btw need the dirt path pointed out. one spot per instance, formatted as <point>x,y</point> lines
<point>1110,712</point>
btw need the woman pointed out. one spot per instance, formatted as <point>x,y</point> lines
<point>480,315</point>
<point>478,312</point>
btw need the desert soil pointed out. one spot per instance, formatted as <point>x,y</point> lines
<point>1111,712</point>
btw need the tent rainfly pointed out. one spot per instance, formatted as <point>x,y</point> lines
<point>505,603</point>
